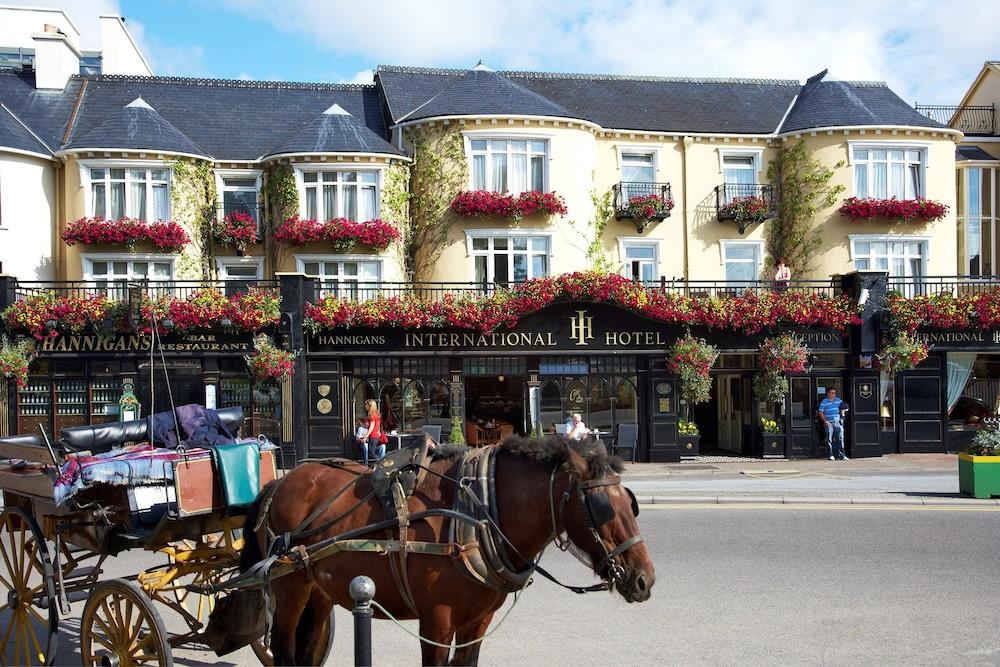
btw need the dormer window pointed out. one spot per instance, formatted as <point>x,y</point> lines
<point>508,165</point>
<point>121,192</point>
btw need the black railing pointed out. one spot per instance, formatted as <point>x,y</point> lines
<point>118,290</point>
<point>930,285</point>
<point>434,292</point>
<point>972,120</point>
<point>747,204</point>
<point>625,192</point>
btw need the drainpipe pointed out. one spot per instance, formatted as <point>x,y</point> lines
<point>59,248</point>
<point>688,141</point>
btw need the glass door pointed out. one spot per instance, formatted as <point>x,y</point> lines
<point>730,413</point>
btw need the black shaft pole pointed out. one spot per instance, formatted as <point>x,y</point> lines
<point>362,592</point>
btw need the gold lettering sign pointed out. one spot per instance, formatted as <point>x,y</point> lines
<point>865,390</point>
<point>138,343</point>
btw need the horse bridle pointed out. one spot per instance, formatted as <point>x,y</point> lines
<point>597,511</point>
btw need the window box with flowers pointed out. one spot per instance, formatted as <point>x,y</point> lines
<point>642,203</point>
<point>487,204</point>
<point>235,230</point>
<point>342,234</point>
<point>892,210</point>
<point>979,465</point>
<point>127,232</point>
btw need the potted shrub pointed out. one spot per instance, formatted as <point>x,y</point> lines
<point>457,435</point>
<point>979,465</point>
<point>688,437</point>
<point>772,438</point>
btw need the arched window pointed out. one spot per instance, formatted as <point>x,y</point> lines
<point>551,406</point>
<point>600,405</point>
<point>625,403</point>
<point>390,405</point>
<point>440,400</point>
<point>414,405</point>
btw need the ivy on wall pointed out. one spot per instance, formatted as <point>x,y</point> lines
<point>282,199</point>
<point>802,186</point>
<point>396,201</point>
<point>603,212</point>
<point>437,173</point>
<point>192,203</point>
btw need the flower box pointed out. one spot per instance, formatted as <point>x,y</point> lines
<point>772,445</point>
<point>750,209</point>
<point>689,444</point>
<point>126,232</point>
<point>487,204</point>
<point>893,210</point>
<point>236,230</point>
<point>979,476</point>
<point>343,234</point>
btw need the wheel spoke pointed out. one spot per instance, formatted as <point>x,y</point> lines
<point>34,612</point>
<point>6,558</point>
<point>17,638</point>
<point>6,635</point>
<point>39,653</point>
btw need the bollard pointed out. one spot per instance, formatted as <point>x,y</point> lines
<point>362,592</point>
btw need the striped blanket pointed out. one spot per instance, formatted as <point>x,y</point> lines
<point>137,465</point>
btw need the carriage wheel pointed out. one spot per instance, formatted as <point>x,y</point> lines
<point>120,626</point>
<point>264,654</point>
<point>27,583</point>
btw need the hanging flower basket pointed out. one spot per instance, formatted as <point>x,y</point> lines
<point>343,234</point>
<point>903,353</point>
<point>893,210</point>
<point>268,363</point>
<point>126,232</point>
<point>487,204</point>
<point>779,357</point>
<point>15,358</point>
<point>237,230</point>
<point>691,360</point>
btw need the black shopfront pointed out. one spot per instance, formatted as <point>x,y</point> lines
<point>602,361</point>
<point>79,379</point>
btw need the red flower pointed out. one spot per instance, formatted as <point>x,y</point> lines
<point>127,231</point>
<point>237,229</point>
<point>484,204</point>
<point>376,234</point>
<point>892,210</point>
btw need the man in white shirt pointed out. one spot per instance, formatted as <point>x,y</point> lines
<point>579,430</point>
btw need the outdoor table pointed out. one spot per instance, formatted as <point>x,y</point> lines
<point>400,437</point>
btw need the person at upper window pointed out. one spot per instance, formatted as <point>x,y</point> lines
<point>578,430</point>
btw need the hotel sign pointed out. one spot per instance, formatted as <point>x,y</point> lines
<point>961,340</point>
<point>564,327</point>
<point>114,344</point>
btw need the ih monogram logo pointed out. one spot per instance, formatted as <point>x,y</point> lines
<point>581,327</point>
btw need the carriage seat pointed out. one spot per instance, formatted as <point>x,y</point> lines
<point>27,447</point>
<point>104,437</point>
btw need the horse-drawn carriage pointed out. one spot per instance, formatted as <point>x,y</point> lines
<point>93,494</point>
<point>283,561</point>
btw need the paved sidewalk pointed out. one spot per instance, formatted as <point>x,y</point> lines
<point>901,479</point>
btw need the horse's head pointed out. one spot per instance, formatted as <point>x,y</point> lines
<point>600,519</point>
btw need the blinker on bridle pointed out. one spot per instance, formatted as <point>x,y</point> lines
<point>597,512</point>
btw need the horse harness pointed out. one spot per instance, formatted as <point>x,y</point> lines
<point>476,544</point>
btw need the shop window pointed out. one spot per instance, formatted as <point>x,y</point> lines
<point>340,194</point>
<point>563,366</point>
<point>508,165</point>
<point>600,416</point>
<point>414,405</point>
<point>551,412</point>
<point>973,388</point>
<point>495,366</point>
<point>390,405</point>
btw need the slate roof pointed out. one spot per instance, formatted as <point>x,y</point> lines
<point>972,153</point>
<point>484,92</point>
<point>137,126</point>
<point>336,131</point>
<point>44,111</point>
<point>13,134</point>
<point>845,103</point>
<point>655,104</point>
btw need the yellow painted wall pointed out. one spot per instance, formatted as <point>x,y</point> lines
<point>985,93</point>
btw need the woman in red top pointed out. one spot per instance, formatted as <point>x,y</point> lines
<point>374,443</point>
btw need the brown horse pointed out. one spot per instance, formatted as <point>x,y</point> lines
<point>541,490</point>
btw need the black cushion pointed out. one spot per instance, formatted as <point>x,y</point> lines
<point>102,437</point>
<point>28,439</point>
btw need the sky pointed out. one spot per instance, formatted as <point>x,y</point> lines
<point>927,51</point>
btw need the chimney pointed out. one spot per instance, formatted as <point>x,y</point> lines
<point>56,60</point>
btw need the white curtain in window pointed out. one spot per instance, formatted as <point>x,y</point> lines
<point>959,371</point>
<point>880,180</point>
<point>479,172</point>
<point>117,201</point>
<point>100,207</point>
<point>537,173</point>
<point>499,173</point>
<point>368,208</point>
<point>351,202</point>
<point>329,202</point>
<point>861,180</point>
<point>913,181</point>
<point>161,202</point>
<point>519,173</point>
<point>311,204</point>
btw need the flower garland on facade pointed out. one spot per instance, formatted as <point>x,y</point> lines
<point>945,310</point>
<point>269,363</point>
<point>748,313</point>
<point>342,233</point>
<point>691,360</point>
<point>904,352</point>
<point>237,230</point>
<point>779,357</point>
<point>751,209</point>
<point>15,358</point>
<point>487,204</point>
<point>643,208</point>
<point>46,314</point>
<point>893,210</point>
<point>127,232</point>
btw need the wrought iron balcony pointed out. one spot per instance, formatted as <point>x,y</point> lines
<point>912,286</point>
<point>119,290</point>
<point>632,198</point>
<point>972,120</point>
<point>745,204</point>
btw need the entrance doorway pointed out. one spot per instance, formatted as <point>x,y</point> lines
<point>808,437</point>
<point>186,385</point>
<point>733,412</point>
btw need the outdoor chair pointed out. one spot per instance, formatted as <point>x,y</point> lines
<point>627,437</point>
<point>433,430</point>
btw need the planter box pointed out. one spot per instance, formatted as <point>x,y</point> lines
<point>689,444</point>
<point>979,476</point>
<point>772,445</point>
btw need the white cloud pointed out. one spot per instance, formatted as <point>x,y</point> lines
<point>169,59</point>
<point>920,48</point>
<point>364,77</point>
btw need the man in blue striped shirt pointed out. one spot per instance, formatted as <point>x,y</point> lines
<point>831,413</point>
